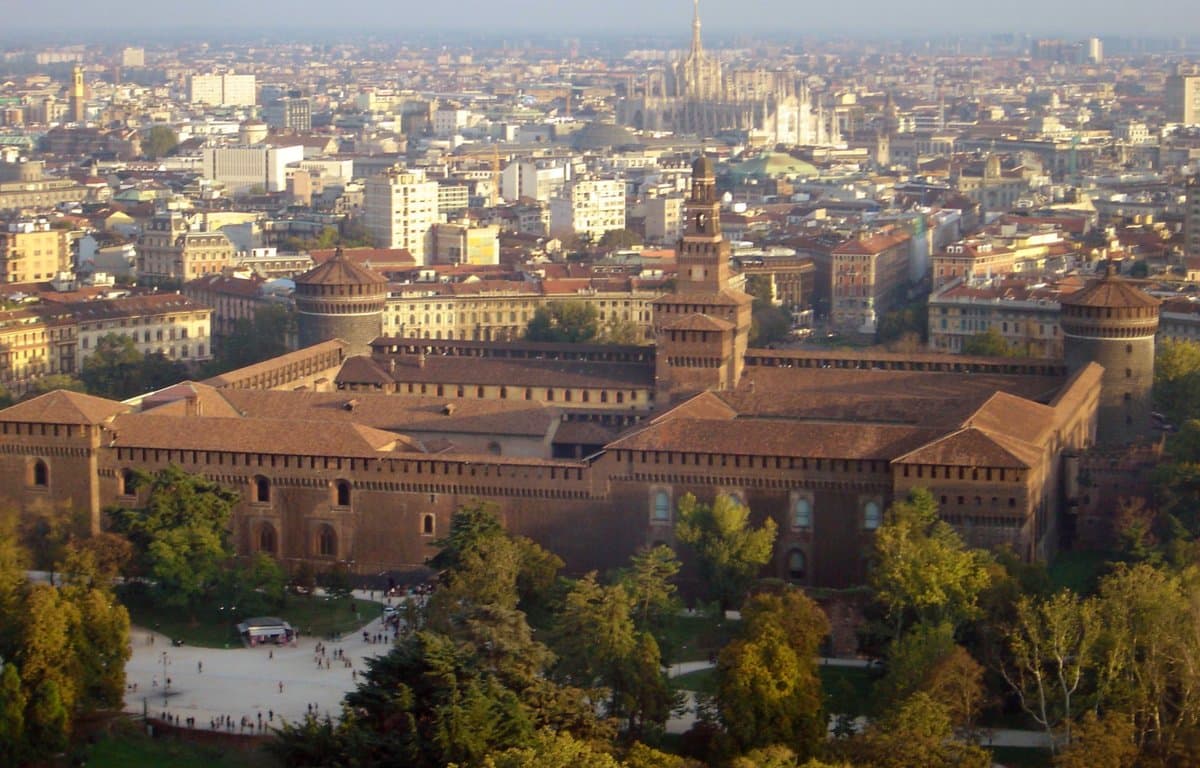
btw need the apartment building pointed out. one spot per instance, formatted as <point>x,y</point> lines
<point>499,310</point>
<point>222,90</point>
<point>401,207</point>
<point>588,207</point>
<point>870,275</point>
<point>170,252</point>
<point>30,251</point>
<point>1023,312</point>
<point>166,323</point>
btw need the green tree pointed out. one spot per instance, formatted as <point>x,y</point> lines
<point>51,383</point>
<point>6,398</point>
<point>258,339</point>
<point>619,239</point>
<point>573,322</point>
<point>12,715</point>
<point>1146,652</point>
<point>769,324</point>
<point>1177,379</point>
<point>46,654</point>
<point>114,368</point>
<point>918,733</point>
<point>911,658</point>
<point>730,551</point>
<point>624,332</point>
<point>768,691</point>
<point>1050,652</point>
<point>1100,742</point>
<point>922,568</point>
<point>180,535</point>
<point>910,319</point>
<point>471,524</point>
<point>48,722</point>
<point>101,644</point>
<point>599,645</point>
<point>256,585</point>
<point>648,582</point>
<point>989,343</point>
<point>160,140</point>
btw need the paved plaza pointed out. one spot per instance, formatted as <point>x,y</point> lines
<point>272,681</point>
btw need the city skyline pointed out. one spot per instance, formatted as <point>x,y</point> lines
<point>721,17</point>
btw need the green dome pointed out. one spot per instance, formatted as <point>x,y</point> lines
<point>773,165</point>
<point>597,136</point>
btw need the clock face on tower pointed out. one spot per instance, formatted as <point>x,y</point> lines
<point>701,220</point>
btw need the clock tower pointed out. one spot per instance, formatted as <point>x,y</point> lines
<point>702,328</point>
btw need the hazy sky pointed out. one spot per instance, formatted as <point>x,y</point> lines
<point>866,18</point>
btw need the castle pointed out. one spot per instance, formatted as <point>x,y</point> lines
<point>588,448</point>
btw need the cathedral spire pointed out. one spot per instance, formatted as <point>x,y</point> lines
<point>696,46</point>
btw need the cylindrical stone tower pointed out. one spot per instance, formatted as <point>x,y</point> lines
<point>340,300</point>
<point>1112,323</point>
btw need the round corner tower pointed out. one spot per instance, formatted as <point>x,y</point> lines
<point>1112,323</point>
<point>340,300</point>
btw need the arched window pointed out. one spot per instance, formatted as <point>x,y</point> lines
<point>662,506</point>
<point>797,565</point>
<point>262,489</point>
<point>343,493</point>
<point>128,482</point>
<point>266,538</point>
<point>326,541</point>
<point>427,523</point>
<point>802,514</point>
<point>41,474</point>
<point>872,515</point>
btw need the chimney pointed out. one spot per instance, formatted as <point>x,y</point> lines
<point>391,366</point>
<point>421,359</point>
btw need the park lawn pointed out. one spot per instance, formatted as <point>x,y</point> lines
<point>1021,757</point>
<point>314,616</point>
<point>700,681</point>
<point>136,750</point>
<point>696,638</point>
<point>1078,571</point>
<point>848,690</point>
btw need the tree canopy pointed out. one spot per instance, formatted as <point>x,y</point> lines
<point>988,343</point>
<point>180,534</point>
<point>117,369</point>
<point>729,549</point>
<point>921,568</point>
<point>159,141</point>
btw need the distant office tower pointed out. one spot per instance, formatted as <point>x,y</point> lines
<point>1095,50</point>
<point>289,113</point>
<point>242,169</point>
<point>1183,97</point>
<point>78,98</point>
<point>401,208</point>
<point>588,206</point>
<point>227,90</point>
<point>133,57</point>
<point>1191,217</point>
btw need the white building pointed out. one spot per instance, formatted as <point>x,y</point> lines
<point>588,206</point>
<point>133,57</point>
<point>241,169</point>
<point>534,179</point>
<point>448,122</point>
<point>401,207</point>
<point>225,90</point>
<point>664,218</point>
